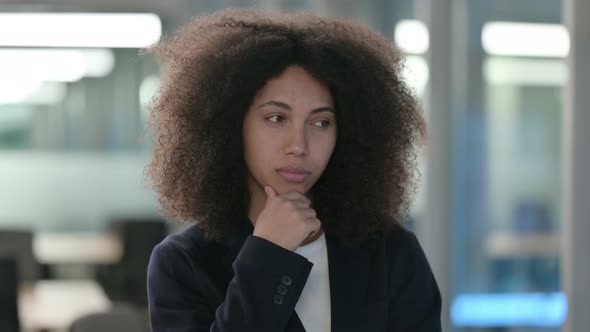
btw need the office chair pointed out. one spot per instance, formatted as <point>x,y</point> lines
<point>9,321</point>
<point>125,281</point>
<point>119,319</point>
<point>19,244</point>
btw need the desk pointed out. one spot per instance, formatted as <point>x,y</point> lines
<point>77,248</point>
<point>507,245</point>
<point>55,304</point>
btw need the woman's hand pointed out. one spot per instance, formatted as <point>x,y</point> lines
<point>287,219</point>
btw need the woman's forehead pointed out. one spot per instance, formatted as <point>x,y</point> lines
<point>295,85</point>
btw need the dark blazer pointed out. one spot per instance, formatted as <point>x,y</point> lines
<point>246,283</point>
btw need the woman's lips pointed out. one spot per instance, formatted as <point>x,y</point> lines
<point>291,175</point>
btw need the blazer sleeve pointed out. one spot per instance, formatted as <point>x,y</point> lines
<point>416,303</point>
<point>261,296</point>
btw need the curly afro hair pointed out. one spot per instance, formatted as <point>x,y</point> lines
<point>214,66</point>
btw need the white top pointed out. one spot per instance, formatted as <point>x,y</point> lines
<point>313,306</point>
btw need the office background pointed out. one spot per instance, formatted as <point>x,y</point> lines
<point>498,188</point>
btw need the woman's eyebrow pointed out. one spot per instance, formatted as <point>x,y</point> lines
<point>285,106</point>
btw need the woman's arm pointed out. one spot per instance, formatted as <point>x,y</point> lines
<point>261,296</point>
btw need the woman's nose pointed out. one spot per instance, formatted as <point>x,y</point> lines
<point>296,142</point>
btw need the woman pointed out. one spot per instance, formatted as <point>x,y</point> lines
<point>290,141</point>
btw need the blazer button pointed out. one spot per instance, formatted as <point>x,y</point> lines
<point>286,280</point>
<point>282,289</point>
<point>278,299</point>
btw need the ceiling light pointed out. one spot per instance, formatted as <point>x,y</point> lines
<point>79,30</point>
<point>525,39</point>
<point>60,65</point>
<point>411,36</point>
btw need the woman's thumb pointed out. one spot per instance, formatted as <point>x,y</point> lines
<point>270,192</point>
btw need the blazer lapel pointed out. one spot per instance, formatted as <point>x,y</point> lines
<point>348,273</point>
<point>295,324</point>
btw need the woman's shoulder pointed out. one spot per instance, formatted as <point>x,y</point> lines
<point>402,250</point>
<point>190,236</point>
<point>406,256</point>
<point>188,245</point>
<point>185,240</point>
<point>185,269</point>
<point>398,240</point>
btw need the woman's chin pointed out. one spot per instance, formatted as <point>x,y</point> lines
<point>290,187</point>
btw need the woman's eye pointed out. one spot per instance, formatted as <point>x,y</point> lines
<point>276,118</point>
<point>323,123</point>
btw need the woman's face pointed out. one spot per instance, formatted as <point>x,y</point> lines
<point>289,133</point>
